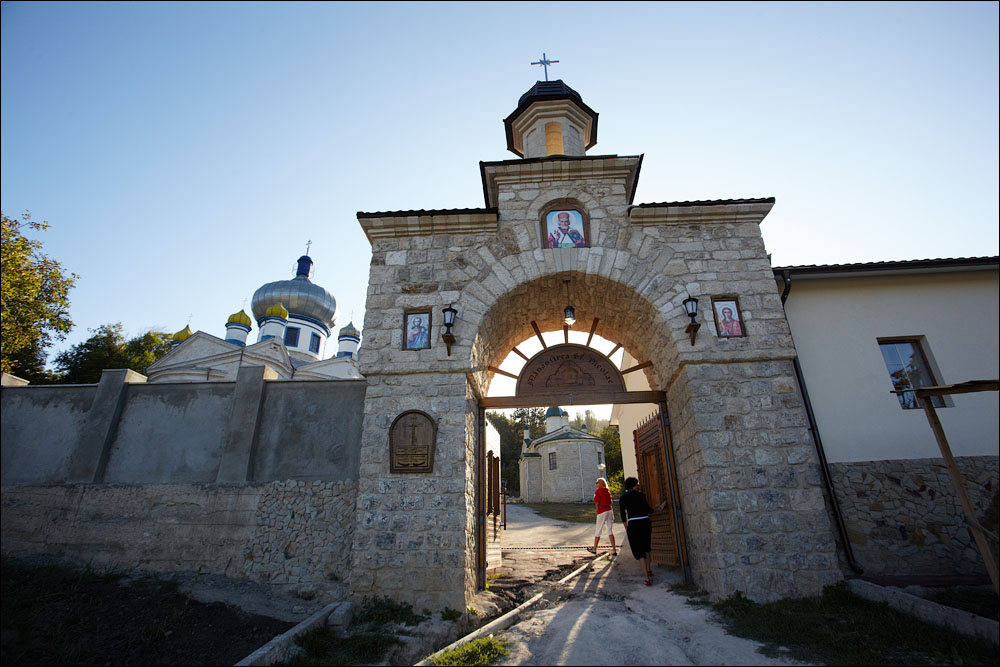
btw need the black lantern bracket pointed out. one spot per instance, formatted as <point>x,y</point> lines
<point>449,321</point>
<point>691,307</point>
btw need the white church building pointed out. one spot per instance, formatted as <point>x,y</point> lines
<point>560,466</point>
<point>295,320</point>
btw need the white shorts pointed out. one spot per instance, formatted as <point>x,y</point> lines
<point>607,520</point>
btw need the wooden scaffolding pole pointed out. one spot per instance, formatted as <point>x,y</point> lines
<point>979,533</point>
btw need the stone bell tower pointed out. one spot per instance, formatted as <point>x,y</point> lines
<point>551,119</point>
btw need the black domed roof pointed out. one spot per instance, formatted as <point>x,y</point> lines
<point>544,91</point>
<point>548,90</point>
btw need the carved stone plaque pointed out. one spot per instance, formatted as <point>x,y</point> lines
<point>411,442</point>
<point>569,368</point>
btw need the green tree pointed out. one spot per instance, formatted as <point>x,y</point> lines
<point>29,364</point>
<point>107,347</point>
<point>511,444</point>
<point>534,418</point>
<point>34,297</point>
<point>612,449</point>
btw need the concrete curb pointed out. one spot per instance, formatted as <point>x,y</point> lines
<point>508,619</point>
<point>283,646</point>
<point>960,621</point>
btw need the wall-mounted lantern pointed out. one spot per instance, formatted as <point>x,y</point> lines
<point>691,306</point>
<point>449,321</point>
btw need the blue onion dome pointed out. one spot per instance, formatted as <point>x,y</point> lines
<point>299,295</point>
<point>240,318</point>
<point>554,412</point>
<point>350,330</point>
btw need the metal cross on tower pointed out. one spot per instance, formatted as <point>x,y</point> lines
<point>308,244</point>
<point>545,62</point>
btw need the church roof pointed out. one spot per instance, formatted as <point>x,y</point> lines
<point>440,211</point>
<point>564,433</point>
<point>903,266</point>
<point>708,202</point>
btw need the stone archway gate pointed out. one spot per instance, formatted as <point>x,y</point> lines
<point>571,374</point>
<point>755,514</point>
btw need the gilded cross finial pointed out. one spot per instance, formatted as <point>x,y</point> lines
<point>545,62</point>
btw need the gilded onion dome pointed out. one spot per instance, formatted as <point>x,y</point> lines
<point>349,330</point>
<point>240,318</point>
<point>277,310</point>
<point>183,334</point>
<point>299,295</point>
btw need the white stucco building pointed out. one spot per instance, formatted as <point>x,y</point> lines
<point>560,466</point>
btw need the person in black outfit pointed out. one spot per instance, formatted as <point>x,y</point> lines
<point>635,511</point>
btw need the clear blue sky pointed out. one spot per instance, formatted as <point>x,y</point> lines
<point>184,153</point>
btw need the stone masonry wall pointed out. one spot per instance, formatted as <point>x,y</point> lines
<point>756,519</point>
<point>293,535</point>
<point>903,517</point>
<point>413,534</point>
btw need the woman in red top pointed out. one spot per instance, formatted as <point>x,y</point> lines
<point>605,517</point>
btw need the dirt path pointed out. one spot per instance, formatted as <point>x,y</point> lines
<point>608,616</point>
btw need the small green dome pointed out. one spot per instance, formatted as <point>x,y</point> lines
<point>240,318</point>
<point>183,334</point>
<point>554,412</point>
<point>277,310</point>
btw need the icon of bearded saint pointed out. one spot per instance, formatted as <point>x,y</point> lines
<point>564,237</point>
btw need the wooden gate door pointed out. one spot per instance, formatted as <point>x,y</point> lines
<point>652,447</point>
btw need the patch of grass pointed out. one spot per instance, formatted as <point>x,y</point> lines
<point>450,614</point>
<point>571,512</point>
<point>482,651</point>
<point>472,611</point>
<point>382,610</point>
<point>490,578</point>
<point>324,646</point>
<point>840,628</point>
<point>695,596</point>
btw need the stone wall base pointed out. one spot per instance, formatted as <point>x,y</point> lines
<point>292,535</point>
<point>903,517</point>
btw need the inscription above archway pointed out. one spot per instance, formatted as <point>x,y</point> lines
<point>570,368</point>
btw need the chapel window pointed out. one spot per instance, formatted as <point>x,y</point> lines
<point>292,336</point>
<point>552,461</point>
<point>554,138</point>
<point>908,369</point>
<point>314,344</point>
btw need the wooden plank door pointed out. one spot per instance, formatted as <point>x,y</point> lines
<point>650,456</point>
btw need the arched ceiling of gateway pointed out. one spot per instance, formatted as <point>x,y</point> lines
<point>625,318</point>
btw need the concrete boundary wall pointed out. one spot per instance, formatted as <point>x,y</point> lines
<point>123,431</point>
<point>251,479</point>
<point>903,517</point>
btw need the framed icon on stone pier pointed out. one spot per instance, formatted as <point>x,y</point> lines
<point>728,318</point>
<point>564,228</point>
<point>417,329</point>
